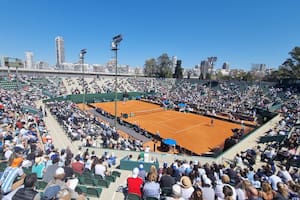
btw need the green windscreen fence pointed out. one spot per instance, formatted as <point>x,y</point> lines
<point>91,98</point>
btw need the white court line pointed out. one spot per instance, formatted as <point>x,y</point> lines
<point>190,127</point>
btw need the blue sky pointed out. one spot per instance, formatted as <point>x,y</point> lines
<point>238,32</point>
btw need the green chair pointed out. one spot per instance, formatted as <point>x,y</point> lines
<point>166,191</point>
<point>81,189</point>
<point>89,181</point>
<point>97,176</point>
<point>116,173</point>
<point>87,174</point>
<point>95,192</point>
<point>133,197</point>
<point>151,198</point>
<point>101,183</point>
<point>81,180</point>
<point>40,185</point>
<point>110,178</point>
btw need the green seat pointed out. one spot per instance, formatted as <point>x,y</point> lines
<point>166,191</point>
<point>133,197</point>
<point>89,181</point>
<point>27,170</point>
<point>97,176</point>
<point>81,189</point>
<point>151,198</point>
<point>95,192</point>
<point>101,183</point>
<point>87,174</point>
<point>110,178</point>
<point>81,180</point>
<point>116,173</point>
<point>41,185</point>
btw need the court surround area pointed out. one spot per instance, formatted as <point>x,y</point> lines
<point>192,132</point>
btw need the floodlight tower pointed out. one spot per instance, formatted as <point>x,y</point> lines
<point>81,56</point>
<point>114,47</point>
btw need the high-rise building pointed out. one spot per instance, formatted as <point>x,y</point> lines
<point>29,60</point>
<point>258,67</point>
<point>174,62</point>
<point>225,66</point>
<point>60,52</point>
<point>204,68</point>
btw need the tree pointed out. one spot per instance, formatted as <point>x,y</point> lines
<point>164,66</point>
<point>150,68</point>
<point>290,68</point>
<point>178,70</point>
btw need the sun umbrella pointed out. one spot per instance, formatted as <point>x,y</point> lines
<point>169,141</point>
<point>181,105</point>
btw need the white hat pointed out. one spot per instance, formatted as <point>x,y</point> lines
<point>135,172</point>
<point>176,191</point>
<point>207,181</point>
<point>141,166</point>
<point>59,171</point>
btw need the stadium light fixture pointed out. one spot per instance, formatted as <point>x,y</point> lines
<point>114,47</point>
<point>81,56</point>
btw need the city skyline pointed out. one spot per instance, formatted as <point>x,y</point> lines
<point>238,33</point>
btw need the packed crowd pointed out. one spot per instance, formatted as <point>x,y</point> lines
<point>27,147</point>
<point>28,156</point>
<point>91,130</point>
<point>184,180</point>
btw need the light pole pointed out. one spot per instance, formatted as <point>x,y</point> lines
<point>211,61</point>
<point>114,47</point>
<point>81,56</point>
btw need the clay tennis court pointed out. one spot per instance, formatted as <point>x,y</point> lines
<point>191,131</point>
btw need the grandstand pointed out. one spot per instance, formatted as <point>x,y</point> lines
<point>272,130</point>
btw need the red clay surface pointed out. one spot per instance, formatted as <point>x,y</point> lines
<point>191,131</point>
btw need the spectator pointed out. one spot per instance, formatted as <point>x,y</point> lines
<point>176,193</point>
<point>197,195</point>
<point>50,170</point>
<point>100,169</point>
<point>187,187</point>
<point>69,172</point>
<point>64,194</point>
<point>266,193</point>
<point>206,187</point>
<point>135,183</point>
<point>142,172</point>
<point>78,165</point>
<point>28,192</point>
<point>151,187</point>
<point>58,181</point>
<point>220,185</point>
<point>10,174</point>
<point>38,167</point>
<point>228,192</point>
<point>167,180</point>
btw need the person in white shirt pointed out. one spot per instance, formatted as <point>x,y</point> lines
<point>100,169</point>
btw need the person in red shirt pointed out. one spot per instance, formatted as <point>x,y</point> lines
<point>78,166</point>
<point>135,183</point>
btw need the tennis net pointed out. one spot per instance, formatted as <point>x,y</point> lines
<point>145,112</point>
